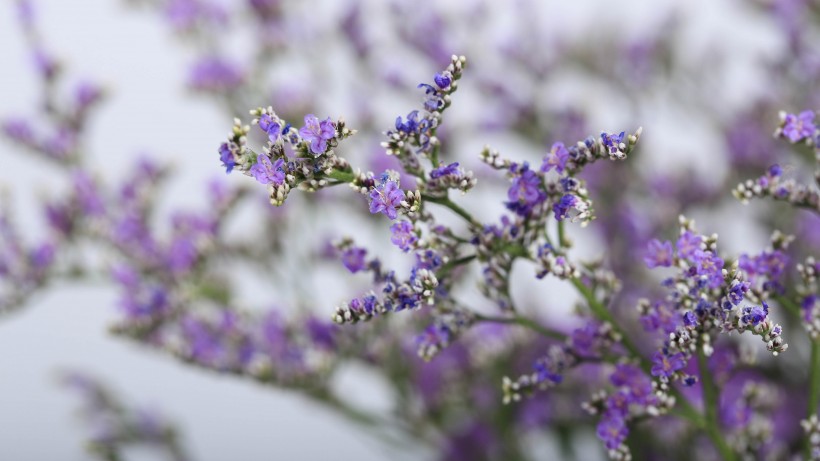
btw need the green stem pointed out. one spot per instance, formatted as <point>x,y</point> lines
<point>814,385</point>
<point>524,322</point>
<point>445,201</point>
<point>445,269</point>
<point>710,408</point>
<point>561,238</point>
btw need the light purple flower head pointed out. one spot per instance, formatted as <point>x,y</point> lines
<point>403,235</point>
<point>800,126</point>
<point>386,198</point>
<point>658,254</point>
<point>317,133</point>
<point>556,158</point>
<point>268,173</point>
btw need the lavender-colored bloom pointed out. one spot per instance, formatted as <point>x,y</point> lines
<point>661,316</point>
<point>386,198</point>
<point>658,254</point>
<point>451,169</point>
<point>556,158</point>
<point>709,266</point>
<point>226,156</point>
<point>403,235</point>
<point>317,133</point>
<point>442,80</point>
<point>563,206</point>
<point>353,259</point>
<point>688,243</point>
<point>271,127</point>
<point>43,256</point>
<point>755,315</point>
<point>666,365</point>
<point>525,192</point>
<point>612,430</point>
<point>613,141</point>
<point>268,173</point>
<point>19,130</point>
<point>410,125</point>
<point>798,127</point>
<point>88,194</point>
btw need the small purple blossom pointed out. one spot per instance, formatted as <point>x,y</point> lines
<point>799,127</point>
<point>709,266</point>
<point>445,170</point>
<point>410,125</point>
<point>386,198</point>
<point>272,127</point>
<point>613,141</point>
<point>403,235</point>
<point>556,158</point>
<point>688,243</point>
<point>666,365</point>
<point>755,315</point>
<point>612,430</point>
<point>317,133</point>
<point>227,158</point>
<point>268,173</point>
<point>442,80</point>
<point>353,259</point>
<point>658,254</point>
<point>525,192</point>
<point>562,208</point>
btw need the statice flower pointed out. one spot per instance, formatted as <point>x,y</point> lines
<point>658,254</point>
<point>556,158</point>
<point>386,198</point>
<point>272,126</point>
<point>664,366</point>
<point>353,259</point>
<point>688,243</point>
<point>317,133</point>
<point>614,144</point>
<point>798,127</point>
<point>573,207</point>
<point>403,235</point>
<point>268,173</point>
<point>526,191</point>
<point>227,158</point>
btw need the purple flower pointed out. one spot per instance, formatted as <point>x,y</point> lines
<point>317,133</point>
<point>525,192</point>
<point>385,198</point>
<point>353,259</point>
<point>227,158</point>
<point>688,244</point>
<point>666,365</point>
<point>411,125</point>
<point>612,430</point>
<point>442,80</point>
<point>709,266</point>
<point>755,315</point>
<point>403,235</point>
<point>270,126</point>
<point>613,141</point>
<point>268,173</point>
<point>567,203</point>
<point>556,158</point>
<point>451,169</point>
<point>658,254</point>
<point>798,127</point>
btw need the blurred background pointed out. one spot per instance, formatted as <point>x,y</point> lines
<point>704,78</point>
